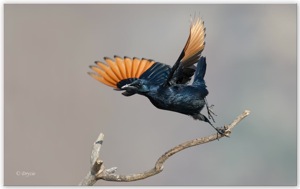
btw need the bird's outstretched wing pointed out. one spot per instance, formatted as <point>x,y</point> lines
<point>121,71</point>
<point>184,68</point>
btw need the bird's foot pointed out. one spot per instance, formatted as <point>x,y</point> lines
<point>210,112</point>
<point>221,131</point>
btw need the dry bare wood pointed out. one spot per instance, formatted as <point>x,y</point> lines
<point>98,171</point>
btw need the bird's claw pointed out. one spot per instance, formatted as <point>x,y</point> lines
<point>210,113</point>
<point>209,110</point>
<point>222,131</point>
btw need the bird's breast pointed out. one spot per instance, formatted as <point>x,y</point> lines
<point>183,100</point>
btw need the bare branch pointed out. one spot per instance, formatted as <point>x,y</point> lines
<point>98,172</point>
<point>96,164</point>
<point>96,148</point>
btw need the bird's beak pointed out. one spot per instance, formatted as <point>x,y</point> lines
<point>128,86</point>
<point>130,90</point>
<point>125,86</point>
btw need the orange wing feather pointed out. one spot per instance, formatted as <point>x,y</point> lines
<point>103,74</point>
<point>114,67</point>
<point>128,65</point>
<point>115,71</point>
<point>121,65</point>
<point>141,68</point>
<point>101,79</point>
<point>195,44</point>
<point>106,69</point>
<point>135,66</point>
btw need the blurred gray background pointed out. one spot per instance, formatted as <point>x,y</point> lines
<point>54,110</point>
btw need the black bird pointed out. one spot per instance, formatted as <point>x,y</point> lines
<point>167,88</point>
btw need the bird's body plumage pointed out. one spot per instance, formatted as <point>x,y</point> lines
<point>167,88</point>
<point>178,99</point>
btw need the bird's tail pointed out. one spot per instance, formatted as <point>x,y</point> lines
<point>200,72</point>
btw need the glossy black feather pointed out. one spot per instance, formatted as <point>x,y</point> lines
<point>182,75</point>
<point>157,73</point>
<point>181,98</point>
<point>168,82</point>
<point>200,73</point>
<point>186,99</point>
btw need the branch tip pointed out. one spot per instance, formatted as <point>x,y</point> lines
<point>100,139</point>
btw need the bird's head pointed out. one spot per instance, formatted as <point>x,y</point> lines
<point>138,86</point>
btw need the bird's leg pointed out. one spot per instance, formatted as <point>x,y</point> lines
<point>220,131</point>
<point>209,110</point>
<point>202,117</point>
